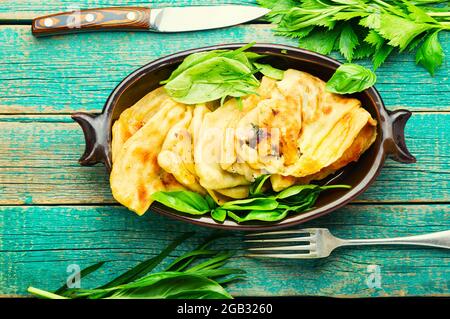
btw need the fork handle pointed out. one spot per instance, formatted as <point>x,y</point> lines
<point>439,239</point>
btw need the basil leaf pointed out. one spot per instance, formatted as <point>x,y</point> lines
<point>351,78</point>
<point>430,54</point>
<point>219,214</point>
<point>259,203</point>
<point>183,201</point>
<point>269,71</point>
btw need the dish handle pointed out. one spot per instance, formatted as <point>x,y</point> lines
<point>97,140</point>
<point>395,144</point>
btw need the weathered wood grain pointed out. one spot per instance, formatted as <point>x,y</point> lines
<point>29,9</point>
<point>38,164</point>
<point>38,243</point>
<point>77,72</point>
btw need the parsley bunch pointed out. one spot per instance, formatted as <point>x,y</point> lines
<point>365,28</point>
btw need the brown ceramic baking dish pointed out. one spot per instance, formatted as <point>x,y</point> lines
<point>360,175</point>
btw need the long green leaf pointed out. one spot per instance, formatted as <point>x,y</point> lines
<point>83,273</point>
<point>146,266</point>
<point>183,262</point>
<point>173,286</point>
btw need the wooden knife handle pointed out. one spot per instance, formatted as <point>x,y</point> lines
<point>114,18</point>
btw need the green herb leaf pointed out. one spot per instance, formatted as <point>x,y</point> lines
<point>257,185</point>
<point>83,273</point>
<point>269,71</point>
<point>219,214</point>
<point>399,31</point>
<point>173,286</point>
<point>351,78</point>
<point>295,190</point>
<point>321,41</point>
<point>258,203</point>
<point>183,201</point>
<point>381,55</point>
<point>212,79</point>
<point>145,267</point>
<point>430,54</point>
<point>348,42</point>
<point>401,24</point>
<point>261,215</point>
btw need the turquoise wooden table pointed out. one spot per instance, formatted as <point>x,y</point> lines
<point>55,213</point>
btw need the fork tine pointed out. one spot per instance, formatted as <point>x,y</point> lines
<point>284,232</point>
<point>276,240</point>
<point>289,256</point>
<point>295,247</point>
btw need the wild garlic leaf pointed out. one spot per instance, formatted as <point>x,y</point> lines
<point>211,80</point>
<point>350,78</point>
<point>269,71</point>
<point>295,190</point>
<point>348,41</point>
<point>173,286</point>
<point>219,214</point>
<point>190,61</point>
<point>183,201</point>
<point>259,203</point>
<point>83,273</point>
<point>430,53</point>
<point>257,185</point>
<point>261,215</point>
<point>146,266</point>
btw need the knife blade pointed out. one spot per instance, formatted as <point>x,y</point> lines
<point>169,19</point>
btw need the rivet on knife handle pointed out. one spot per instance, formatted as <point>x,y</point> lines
<point>119,18</point>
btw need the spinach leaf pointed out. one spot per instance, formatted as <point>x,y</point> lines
<point>351,78</point>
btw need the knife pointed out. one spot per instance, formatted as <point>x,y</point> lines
<point>170,19</point>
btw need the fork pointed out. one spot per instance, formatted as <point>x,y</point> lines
<point>319,242</point>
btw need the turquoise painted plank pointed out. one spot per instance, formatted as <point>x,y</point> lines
<point>77,73</point>
<point>28,9</point>
<point>38,164</point>
<point>38,243</point>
